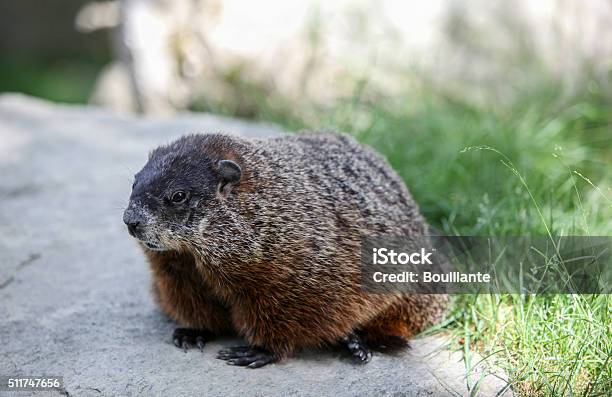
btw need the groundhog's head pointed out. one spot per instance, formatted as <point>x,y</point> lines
<point>181,194</point>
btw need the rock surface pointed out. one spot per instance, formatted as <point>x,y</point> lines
<point>74,287</point>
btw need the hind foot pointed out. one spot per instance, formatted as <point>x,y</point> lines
<point>184,338</point>
<point>247,356</point>
<point>359,351</point>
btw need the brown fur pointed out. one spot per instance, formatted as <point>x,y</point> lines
<point>277,260</point>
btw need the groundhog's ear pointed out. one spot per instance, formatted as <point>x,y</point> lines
<point>229,176</point>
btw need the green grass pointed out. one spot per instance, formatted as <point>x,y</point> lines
<point>67,81</point>
<point>541,166</point>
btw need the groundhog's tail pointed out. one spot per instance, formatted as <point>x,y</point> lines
<point>392,329</point>
<point>388,332</point>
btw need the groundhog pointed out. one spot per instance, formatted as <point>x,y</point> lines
<point>261,239</point>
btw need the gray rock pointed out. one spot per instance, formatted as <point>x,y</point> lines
<point>74,287</point>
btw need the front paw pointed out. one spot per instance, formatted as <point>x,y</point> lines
<point>184,338</point>
<point>247,356</point>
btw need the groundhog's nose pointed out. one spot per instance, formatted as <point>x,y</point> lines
<point>132,220</point>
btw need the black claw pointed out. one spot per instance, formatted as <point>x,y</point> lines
<point>200,342</point>
<point>185,338</point>
<point>242,361</point>
<point>246,356</point>
<point>359,351</point>
<point>259,363</point>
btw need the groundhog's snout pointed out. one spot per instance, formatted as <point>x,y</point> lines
<point>134,221</point>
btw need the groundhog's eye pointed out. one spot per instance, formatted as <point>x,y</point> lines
<point>178,197</point>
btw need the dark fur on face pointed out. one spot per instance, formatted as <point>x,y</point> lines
<point>171,193</point>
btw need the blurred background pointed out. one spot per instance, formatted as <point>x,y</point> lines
<point>498,114</point>
<point>167,55</point>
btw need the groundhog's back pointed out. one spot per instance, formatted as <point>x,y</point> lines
<point>330,179</point>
